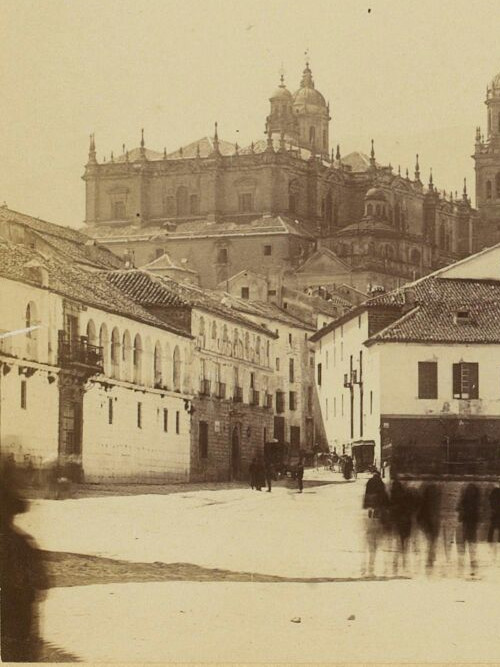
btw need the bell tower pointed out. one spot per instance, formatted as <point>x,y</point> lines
<point>487,165</point>
<point>312,114</point>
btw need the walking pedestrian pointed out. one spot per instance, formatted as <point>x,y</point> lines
<point>401,509</point>
<point>22,579</point>
<point>300,474</point>
<point>375,502</point>
<point>429,519</point>
<point>468,516</point>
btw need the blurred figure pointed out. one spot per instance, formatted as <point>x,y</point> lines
<point>468,516</point>
<point>252,470</point>
<point>401,510</point>
<point>22,577</point>
<point>348,467</point>
<point>376,502</point>
<point>429,519</point>
<point>260,473</point>
<point>495,515</point>
<point>299,474</point>
<point>269,470</point>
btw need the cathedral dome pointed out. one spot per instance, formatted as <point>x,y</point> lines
<point>307,95</point>
<point>375,194</point>
<point>281,93</point>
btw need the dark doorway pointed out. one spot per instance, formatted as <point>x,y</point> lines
<point>279,428</point>
<point>235,453</point>
<point>295,439</point>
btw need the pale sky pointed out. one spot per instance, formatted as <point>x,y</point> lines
<point>412,75</point>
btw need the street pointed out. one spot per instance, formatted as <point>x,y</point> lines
<point>252,577</point>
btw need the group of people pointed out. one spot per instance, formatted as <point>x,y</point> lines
<point>262,473</point>
<point>394,518</point>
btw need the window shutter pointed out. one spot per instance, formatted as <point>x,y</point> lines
<point>473,380</point>
<point>427,379</point>
<point>457,381</point>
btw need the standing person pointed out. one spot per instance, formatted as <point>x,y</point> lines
<point>468,516</point>
<point>300,474</point>
<point>260,473</point>
<point>495,514</point>
<point>22,578</point>
<point>376,502</point>
<point>252,469</point>
<point>348,467</point>
<point>269,470</point>
<point>429,519</point>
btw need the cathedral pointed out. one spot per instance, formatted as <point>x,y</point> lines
<point>289,208</point>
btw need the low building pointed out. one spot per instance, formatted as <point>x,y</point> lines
<point>413,371</point>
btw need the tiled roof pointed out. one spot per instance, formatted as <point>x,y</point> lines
<point>266,310</point>
<point>202,228</point>
<point>432,304</point>
<point>357,161</point>
<point>154,290</point>
<point>68,280</point>
<point>70,243</point>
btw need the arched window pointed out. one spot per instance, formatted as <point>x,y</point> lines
<point>497,185</point>
<point>126,356</point>
<point>268,351</point>
<point>224,334</point>
<point>104,343</point>
<point>137,359</point>
<point>369,209</point>
<point>31,336</point>
<point>167,367</point>
<point>257,350</point>
<point>488,189</point>
<point>312,135</point>
<point>235,342</point>
<point>176,369</point>
<point>91,333</point>
<point>158,374</point>
<point>329,210</point>
<point>201,332</point>
<point>115,353</point>
<point>214,330</point>
<point>182,200</point>
<point>377,210</point>
<point>389,251</point>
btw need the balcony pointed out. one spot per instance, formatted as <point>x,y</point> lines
<point>79,353</point>
<point>254,397</point>
<point>205,387</point>
<point>238,394</point>
<point>220,390</point>
<point>347,382</point>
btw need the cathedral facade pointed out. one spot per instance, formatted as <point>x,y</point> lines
<point>289,202</point>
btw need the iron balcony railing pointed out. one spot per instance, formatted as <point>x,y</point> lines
<point>79,352</point>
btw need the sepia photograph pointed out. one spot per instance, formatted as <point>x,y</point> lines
<point>250,331</point>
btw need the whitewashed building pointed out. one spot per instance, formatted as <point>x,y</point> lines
<point>88,378</point>
<point>416,371</point>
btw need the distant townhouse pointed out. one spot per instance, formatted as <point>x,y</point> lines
<point>232,371</point>
<point>416,372</point>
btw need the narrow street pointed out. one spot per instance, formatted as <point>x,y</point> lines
<point>253,576</point>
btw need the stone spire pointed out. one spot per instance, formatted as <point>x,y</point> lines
<point>372,156</point>
<point>92,153</point>
<point>143,146</point>
<point>417,169</point>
